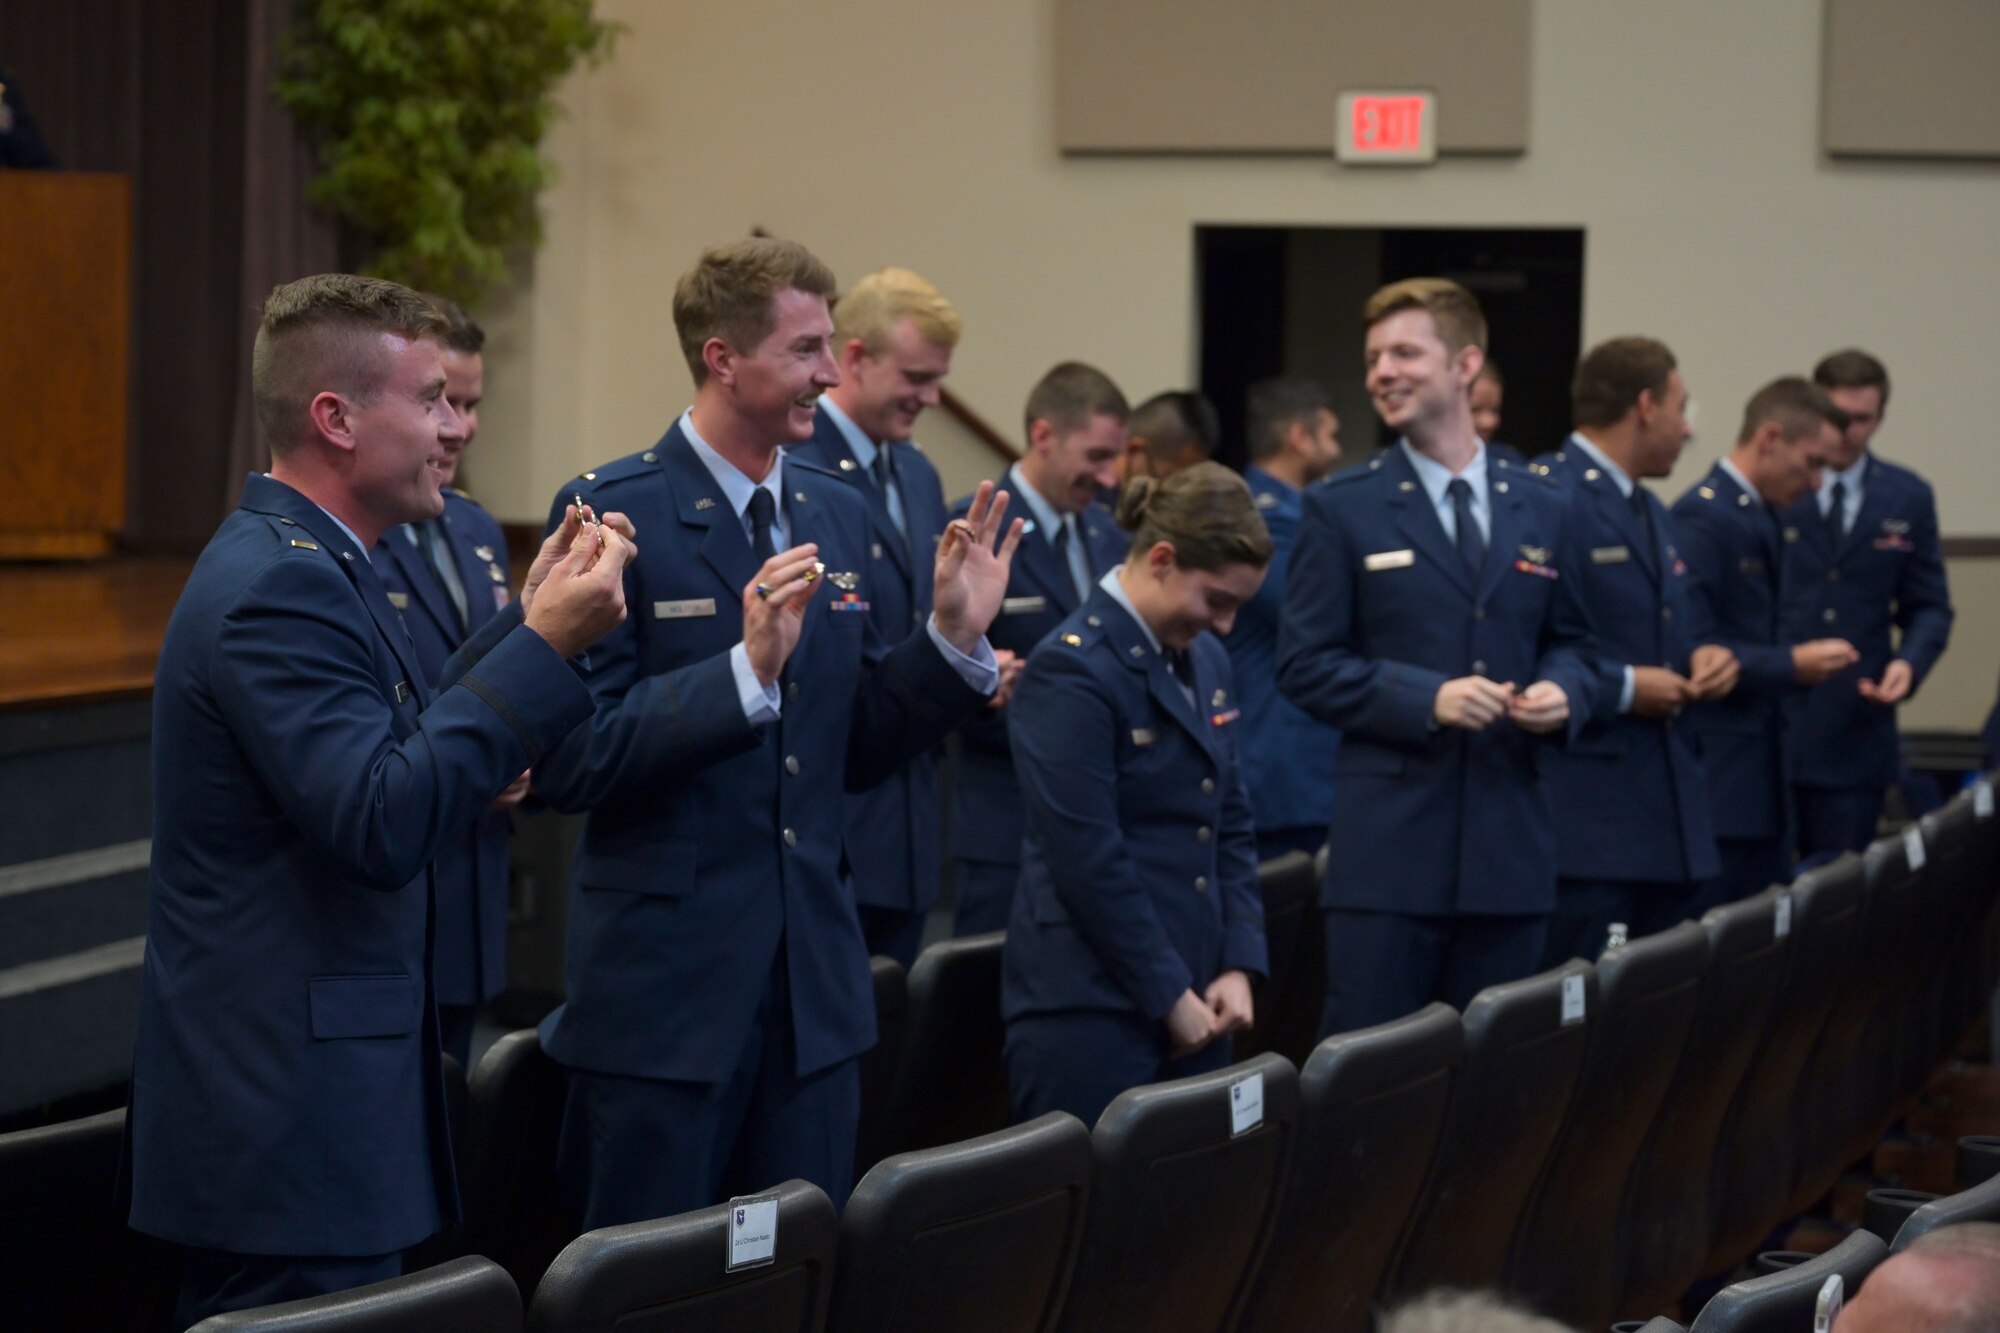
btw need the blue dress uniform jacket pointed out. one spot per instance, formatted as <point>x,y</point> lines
<point>710,842</point>
<point>469,960</point>
<point>1887,572</point>
<point>1287,753</point>
<point>1381,611</point>
<point>286,1084</point>
<point>1631,799</point>
<point>1139,875</point>
<point>894,842</point>
<point>1735,559</point>
<point>986,802</point>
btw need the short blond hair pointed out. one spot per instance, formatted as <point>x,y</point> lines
<point>872,308</point>
<point>728,294</point>
<point>1460,322</point>
<point>320,334</point>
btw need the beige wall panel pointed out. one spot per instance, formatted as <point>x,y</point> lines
<point>888,132</point>
<point>1165,76</point>
<point>1912,78</point>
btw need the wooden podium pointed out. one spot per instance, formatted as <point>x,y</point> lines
<point>65,317</point>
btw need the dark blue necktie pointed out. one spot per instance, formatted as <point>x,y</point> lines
<point>763,511</point>
<point>1836,513</point>
<point>1471,542</point>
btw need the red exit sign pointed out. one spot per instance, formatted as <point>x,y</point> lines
<point>1386,126</point>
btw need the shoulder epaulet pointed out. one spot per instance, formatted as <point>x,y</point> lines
<point>1083,631</point>
<point>1352,476</point>
<point>811,465</point>
<point>457,494</point>
<point>288,535</point>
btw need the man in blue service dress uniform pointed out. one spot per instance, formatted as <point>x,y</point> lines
<point>1435,615</point>
<point>1736,554</point>
<point>718,985</point>
<point>287,1121</point>
<point>1865,560</point>
<point>1635,834</point>
<point>1294,440</point>
<point>1076,435</point>
<point>448,575</point>
<point>893,334</point>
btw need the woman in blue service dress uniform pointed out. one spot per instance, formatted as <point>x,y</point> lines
<point>1138,923</point>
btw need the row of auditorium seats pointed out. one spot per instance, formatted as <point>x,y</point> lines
<point>1594,1139</point>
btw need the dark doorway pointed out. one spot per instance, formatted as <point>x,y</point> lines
<point>1287,301</point>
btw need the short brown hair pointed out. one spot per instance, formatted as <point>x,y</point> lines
<point>1852,369</point>
<point>1455,311</point>
<point>1206,512</point>
<point>1797,404</point>
<point>728,294</point>
<point>319,334</point>
<point>1071,394</point>
<point>1612,375</point>
<point>871,309</point>
<point>461,334</point>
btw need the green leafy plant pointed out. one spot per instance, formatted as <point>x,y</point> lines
<point>428,117</point>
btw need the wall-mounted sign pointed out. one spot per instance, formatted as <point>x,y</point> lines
<point>1386,126</point>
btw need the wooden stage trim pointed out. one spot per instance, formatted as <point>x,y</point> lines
<point>79,634</point>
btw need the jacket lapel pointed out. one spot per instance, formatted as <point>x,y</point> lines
<point>1415,518</point>
<point>1508,524</point>
<point>422,582</point>
<point>1874,507</point>
<point>724,546</point>
<point>1138,655</point>
<point>1035,557</point>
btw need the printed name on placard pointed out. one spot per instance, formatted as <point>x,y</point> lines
<point>753,1232</point>
<point>1246,1104</point>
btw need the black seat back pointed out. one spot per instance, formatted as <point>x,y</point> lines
<point>1507,1106</point>
<point>1663,1216</point>
<point>515,1210</point>
<point>1981,1203</point>
<point>69,1259</point>
<point>880,1063</point>
<point>1289,1000</point>
<point>1371,1104</point>
<point>951,1083</point>
<point>980,1236</point>
<point>466,1295</point>
<point>1566,1256</point>
<point>671,1275</point>
<point>1828,1104</point>
<point>1753,1164</point>
<point>1183,1203</point>
<point>1782,1302</point>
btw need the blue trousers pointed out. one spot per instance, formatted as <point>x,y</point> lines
<point>1833,820</point>
<point>985,896</point>
<point>1749,866</point>
<point>1080,1060</point>
<point>1383,965</point>
<point>892,932</point>
<point>639,1148</point>
<point>1585,909</point>
<point>218,1281</point>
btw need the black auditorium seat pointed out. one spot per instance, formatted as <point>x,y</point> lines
<point>468,1295</point>
<point>1827,1105</point>
<point>671,1275</point>
<point>515,1212</point>
<point>1522,1056</point>
<point>950,1083</point>
<point>978,1237</point>
<point>1663,1220</point>
<point>878,1065</point>
<point>1977,1160</point>
<point>1289,1001</point>
<point>1782,1302</point>
<point>69,1259</point>
<point>1981,1203</point>
<point>1657,1324</point>
<point>1754,1160</point>
<point>1565,1257</point>
<point>1371,1104</point>
<point>1184,1199</point>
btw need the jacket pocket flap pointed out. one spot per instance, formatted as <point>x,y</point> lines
<point>365,1006</point>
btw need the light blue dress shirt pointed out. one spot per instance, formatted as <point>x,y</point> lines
<point>761,702</point>
<point>1111,585</point>
<point>1436,477</point>
<point>864,450</point>
<point>1049,522</point>
<point>1850,504</point>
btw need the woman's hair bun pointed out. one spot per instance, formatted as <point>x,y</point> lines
<point>1134,500</point>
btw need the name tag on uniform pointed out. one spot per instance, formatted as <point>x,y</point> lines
<point>1023,606</point>
<point>1609,555</point>
<point>687,610</point>
<point>400,600</point>
<point>1143,736</point>
<point>1382,560</point>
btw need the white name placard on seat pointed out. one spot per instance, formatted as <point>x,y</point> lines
<point>753,1232</point>
<point>1246,1104</point>
<point>1572,1000</point>
<point>1913,847</point>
